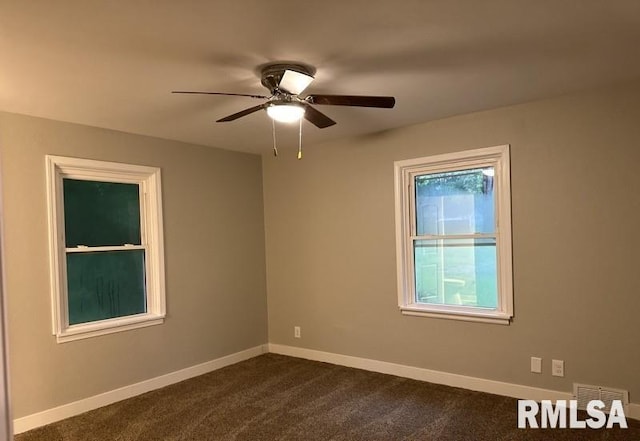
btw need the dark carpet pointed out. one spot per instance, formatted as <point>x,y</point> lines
<point>273,397</point>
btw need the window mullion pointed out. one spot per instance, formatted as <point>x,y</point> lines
<point>454,236</point>
<point>86,249</point>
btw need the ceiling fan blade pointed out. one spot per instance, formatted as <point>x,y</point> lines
<point>294,82</point>
<point>317,118</point>
<point>242,113</point>
<point>220,93</point>
<point>386,102</point>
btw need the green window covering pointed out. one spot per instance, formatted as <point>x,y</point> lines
<point>104,285</point>
<point>101,213</point>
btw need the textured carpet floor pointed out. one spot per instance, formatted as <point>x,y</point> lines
<point>273,397</point>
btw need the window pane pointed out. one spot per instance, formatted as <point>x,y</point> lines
<point>104,285</point>
<point>456,272</point>
<point>459,202</point>
<point>101,213</point>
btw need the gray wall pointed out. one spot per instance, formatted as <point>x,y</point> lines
<point>214,251</point>
<point>330,238</point>
<point>331,264</point>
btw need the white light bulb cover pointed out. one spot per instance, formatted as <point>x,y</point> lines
<point>295,82</point>
<point>286,112</point>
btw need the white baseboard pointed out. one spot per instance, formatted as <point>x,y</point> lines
<point>77,407</point>
<point>473,383</point>
<point>438,377</point>
<point>633,411</point>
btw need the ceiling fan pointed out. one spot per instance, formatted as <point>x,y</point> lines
<point>285,83</point>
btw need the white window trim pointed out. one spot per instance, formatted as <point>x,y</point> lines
<point>405,171</point>
<point>59,167</point>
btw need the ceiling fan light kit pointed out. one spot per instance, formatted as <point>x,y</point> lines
<point>285,82</point>
<point>285,112</point>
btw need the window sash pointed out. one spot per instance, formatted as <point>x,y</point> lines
<point>441,218</point>
<point>106,285</point>
<point>99,212</point>
<point>443,250</point>
<point>84,249</point>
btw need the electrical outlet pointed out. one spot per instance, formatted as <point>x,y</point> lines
<point>536,365</point>
<point>557,368</point>
<point>296,332</point>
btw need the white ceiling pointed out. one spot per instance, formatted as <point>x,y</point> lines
<point>113,63</point>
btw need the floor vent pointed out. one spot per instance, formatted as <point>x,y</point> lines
<point>585,393</point>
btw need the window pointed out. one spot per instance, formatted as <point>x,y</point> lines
<point>106,249</point>
<point>453,235</point>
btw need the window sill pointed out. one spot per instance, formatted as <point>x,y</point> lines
<point>452,313</point>
<point>104,327</point>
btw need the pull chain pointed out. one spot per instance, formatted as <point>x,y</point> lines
<point>300,141</point>
<point>275,148</point>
